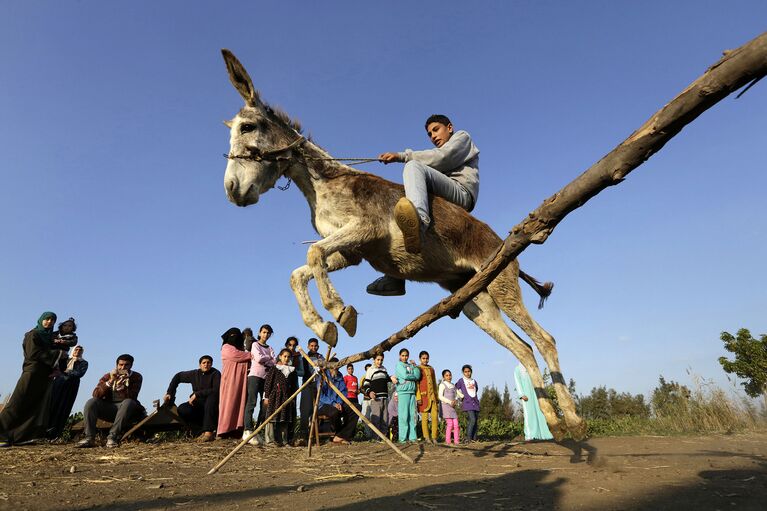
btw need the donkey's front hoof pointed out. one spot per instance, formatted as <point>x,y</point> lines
<point>348,320</point>
<point>330,334</point>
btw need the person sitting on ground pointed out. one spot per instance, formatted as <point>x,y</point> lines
<point>24,418</point>
<point>115,399</point>
<point>333,407</point>
<point>201,409</point>
<point>65,388</point>
<point>450,171</point>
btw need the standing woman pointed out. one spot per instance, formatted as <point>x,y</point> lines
<point>234,373</point>
<point>25,417</point>
<point>65,387</point>
<point>535,423</point>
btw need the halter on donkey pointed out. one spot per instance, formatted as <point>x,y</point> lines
<point>353,212</point>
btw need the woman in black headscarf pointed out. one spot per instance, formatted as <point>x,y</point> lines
<point>25,417</point>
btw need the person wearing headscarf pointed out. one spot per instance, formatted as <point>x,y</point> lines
<point>25,417</point>
<point>65,387</point>
<point>234,374</point>
<point>535,423</point>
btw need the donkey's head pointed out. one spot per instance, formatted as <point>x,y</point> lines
<point>260,143</point>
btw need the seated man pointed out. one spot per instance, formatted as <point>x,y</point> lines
<point>201,410</point>
<point>115,399</point>
<point>332,406</point>
<point>450,171</point>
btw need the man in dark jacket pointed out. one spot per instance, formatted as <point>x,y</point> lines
<point>115,399</point>
<point>201,409</point>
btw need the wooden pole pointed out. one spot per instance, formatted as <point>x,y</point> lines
<point>263,424</point>
<point>313,427</point>
<point>361,416</point>
<point>737,68</point>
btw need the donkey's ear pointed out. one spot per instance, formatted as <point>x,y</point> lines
<point>240,78</point>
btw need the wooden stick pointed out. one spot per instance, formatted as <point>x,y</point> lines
<point>314,426</point>
<point>361,416</point>
<point>263,424</point>
<point>734,70</point>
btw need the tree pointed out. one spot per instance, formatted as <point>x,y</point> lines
<point>750,362</point>
<point>507,405</point>
<point>490,404</point>
<point>669,397</point>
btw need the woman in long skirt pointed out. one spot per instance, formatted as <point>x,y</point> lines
<point>25,417</point>
<point>234,374</point>
<point>535,423</point>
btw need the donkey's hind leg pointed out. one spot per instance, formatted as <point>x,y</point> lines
<point>507,295</point>
<point>484,312</point>
<point>299,281</point>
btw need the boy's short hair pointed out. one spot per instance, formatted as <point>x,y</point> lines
<point>368,366</point>
<point>350,365</point>
<point>467,366</point>
<point>442,119</point>
<point>205,357</point>
<point>424,353</point>
<point>404,350</point>
<point>126,357</point>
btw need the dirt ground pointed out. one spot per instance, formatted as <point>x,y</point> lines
<point>710,472</point>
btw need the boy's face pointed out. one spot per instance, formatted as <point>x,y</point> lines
<point>313,346</point>
<point>439,133</point>
<point>378,361</point>
<point>425,359</point>
<point>206,364</point>
<point>350,370</point>
<point>467,372</point>
<point>403,356</point>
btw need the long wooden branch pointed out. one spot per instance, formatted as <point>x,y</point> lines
<point>735,69</point>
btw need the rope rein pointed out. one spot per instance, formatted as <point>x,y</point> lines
<point>257,155</point>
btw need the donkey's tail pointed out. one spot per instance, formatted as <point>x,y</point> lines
<point>543,290</point>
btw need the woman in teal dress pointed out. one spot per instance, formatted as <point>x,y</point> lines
<point>535,423</point>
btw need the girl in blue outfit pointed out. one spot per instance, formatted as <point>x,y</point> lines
<point>407,374</point>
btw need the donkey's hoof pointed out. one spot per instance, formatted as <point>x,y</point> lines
<point>558,431</point>
<point>579,430</point>
<point>348,320</point>
<point>330,334</point>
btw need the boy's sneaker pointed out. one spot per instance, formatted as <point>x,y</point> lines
<point>112,443</point>
<point>85,443</point>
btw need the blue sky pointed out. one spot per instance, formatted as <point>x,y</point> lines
<point>113,208</point>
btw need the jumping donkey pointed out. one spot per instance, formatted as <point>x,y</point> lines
<point>353,212</point>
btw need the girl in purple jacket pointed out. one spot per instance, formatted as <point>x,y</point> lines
<point>470,390</point>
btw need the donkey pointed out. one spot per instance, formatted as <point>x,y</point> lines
<point>353,213</point>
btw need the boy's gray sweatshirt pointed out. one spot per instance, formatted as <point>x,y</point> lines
<point>458,159</point>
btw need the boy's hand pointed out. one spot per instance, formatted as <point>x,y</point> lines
<point>387,158</point>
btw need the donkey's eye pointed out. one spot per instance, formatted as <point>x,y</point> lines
<point>247,128</point>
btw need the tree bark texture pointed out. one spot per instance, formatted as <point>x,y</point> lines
<point>737,68</point>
